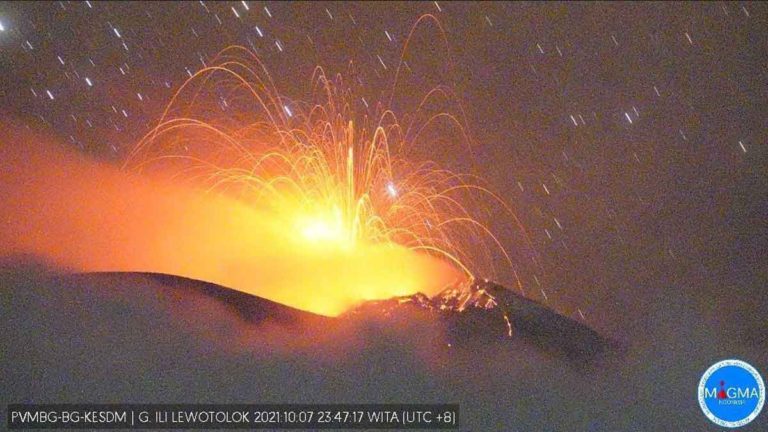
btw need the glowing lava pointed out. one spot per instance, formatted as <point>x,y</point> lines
<point>320,228</point>
<point>336,183</point>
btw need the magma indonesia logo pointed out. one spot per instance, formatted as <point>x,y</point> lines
<point>731,393</point>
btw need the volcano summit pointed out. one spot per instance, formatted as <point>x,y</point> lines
<point>483,311</point>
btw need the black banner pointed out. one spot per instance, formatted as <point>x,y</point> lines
<point>260,416</point>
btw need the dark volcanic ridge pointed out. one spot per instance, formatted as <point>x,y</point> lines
<point>480,312</point>
<point>250,308</point>
<point>483,311</point>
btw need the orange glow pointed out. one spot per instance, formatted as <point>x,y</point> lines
<point>338,179</point>
<point>339,182</point>
<point>324,228</point>
<point>88,216</point>
<point>314,204</point>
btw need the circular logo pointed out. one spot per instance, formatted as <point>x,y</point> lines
<point>731,393</point>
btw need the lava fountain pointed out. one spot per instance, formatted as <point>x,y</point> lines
<point>337,182</point>
<point>317,204</point>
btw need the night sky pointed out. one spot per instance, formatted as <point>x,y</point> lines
<point>631,138</point>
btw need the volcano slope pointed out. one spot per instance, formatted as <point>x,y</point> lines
<point>148,338</point>
<point>482,312</point>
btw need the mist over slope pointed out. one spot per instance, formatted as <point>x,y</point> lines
<point>149,338</point>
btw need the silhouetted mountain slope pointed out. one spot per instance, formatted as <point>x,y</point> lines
<point>250,308</point>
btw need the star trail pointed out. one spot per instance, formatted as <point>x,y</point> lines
<point>630,138</point>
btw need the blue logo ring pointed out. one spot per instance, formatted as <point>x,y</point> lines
<point>731,393</point>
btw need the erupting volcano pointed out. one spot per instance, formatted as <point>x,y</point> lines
<point>327,205</point>
<point>333,183</point>
<point>541,216</point>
